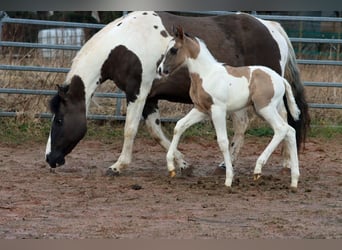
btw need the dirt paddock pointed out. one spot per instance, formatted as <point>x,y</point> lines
<point>78,201</point>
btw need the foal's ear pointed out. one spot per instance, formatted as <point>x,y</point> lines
<point>179,32</point>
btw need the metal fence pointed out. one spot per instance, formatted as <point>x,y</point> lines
<point>119,96</point>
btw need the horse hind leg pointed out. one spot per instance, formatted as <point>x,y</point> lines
<point>280,128</point>
<point>286,147</point>
<point>290,141</point>
<point>153,124</point>
<point>240,123</point>
<point>289,150</point>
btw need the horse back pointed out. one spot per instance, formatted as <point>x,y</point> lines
<point>235,39</point>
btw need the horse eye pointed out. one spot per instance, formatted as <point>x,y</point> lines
<point>173,50</point>
<point>59,122</point>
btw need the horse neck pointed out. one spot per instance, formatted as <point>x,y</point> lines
<point>204,62</point>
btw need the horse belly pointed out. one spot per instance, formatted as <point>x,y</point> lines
<point>238,98</point>
<point>233,93</point>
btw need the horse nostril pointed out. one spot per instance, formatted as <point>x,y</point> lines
<point>159,71</point>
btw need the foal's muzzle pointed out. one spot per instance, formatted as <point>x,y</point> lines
<point>163,72</point>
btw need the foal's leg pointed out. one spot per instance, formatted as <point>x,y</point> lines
<point>280,128</point>
<point>218,115</point>
<point>190,119</point>
<point>286,147</point>
<point>240,124</point>
<point>153,125</point>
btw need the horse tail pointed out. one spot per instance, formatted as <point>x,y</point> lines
<point>302,125</point>
<point>291,102</point>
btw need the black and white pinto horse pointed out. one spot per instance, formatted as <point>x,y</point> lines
<point>128,51</point>
<point>216,89</point>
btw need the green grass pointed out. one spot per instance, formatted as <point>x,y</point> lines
<point>328,132</point>
<point>15,131</point>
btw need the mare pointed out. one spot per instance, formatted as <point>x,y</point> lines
<point>127,52</point>
<point>216,89</point>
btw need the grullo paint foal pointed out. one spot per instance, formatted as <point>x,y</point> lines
<point>217,89</point>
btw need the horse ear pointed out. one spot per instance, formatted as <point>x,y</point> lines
<point>76,89</point>
<point>61,91</point>
<point>179,32</point>
<point>174,30</point>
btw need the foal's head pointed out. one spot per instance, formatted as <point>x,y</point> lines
<point>180,48</point>
<point>69,122</point>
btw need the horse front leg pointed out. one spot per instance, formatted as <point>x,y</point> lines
<point>219,121</point>
<point>153,123</point>
<point>194,116</point>
<point>133,116</point>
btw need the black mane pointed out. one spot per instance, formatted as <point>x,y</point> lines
<point>55,103</point>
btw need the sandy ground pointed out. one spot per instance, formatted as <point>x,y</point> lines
<point>79,201</point>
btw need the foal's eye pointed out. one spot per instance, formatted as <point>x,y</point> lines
<point>173,50</point>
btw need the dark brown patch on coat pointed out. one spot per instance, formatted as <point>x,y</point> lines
<point>229,36</point>
<point>261,89</point>
<point>236,39</point>
<point>201,99</point>
<point>124,68</point>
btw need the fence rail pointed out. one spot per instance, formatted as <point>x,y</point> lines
<point>118,96</point>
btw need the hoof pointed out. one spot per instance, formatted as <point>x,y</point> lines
<point>222,165</point>
<point>172,173</point>
<point>229,190</point>
<point>187,171</point>
<point>293,190</point>
<point>257,177</point>
<point>112,172</point>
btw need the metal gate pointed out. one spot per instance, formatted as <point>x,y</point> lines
<point>118,96</point>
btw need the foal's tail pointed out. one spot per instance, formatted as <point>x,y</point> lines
<point>291,102</point>
<point>302,125</point>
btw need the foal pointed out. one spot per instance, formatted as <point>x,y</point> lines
<point>217,89</point>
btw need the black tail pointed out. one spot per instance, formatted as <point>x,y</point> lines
<point>301,126</point>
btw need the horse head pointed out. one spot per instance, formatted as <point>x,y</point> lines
<point>179,49</point>
<point>174,57</point>
<point>69,123</point>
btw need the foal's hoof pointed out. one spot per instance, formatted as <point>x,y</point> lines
<point>172,173</point>
<point>187,171</point>
<point>112,172</point>
<point>257,177</point>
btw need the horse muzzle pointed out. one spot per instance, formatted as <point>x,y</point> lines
<point>55,161</point>
<point>162,72</point>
